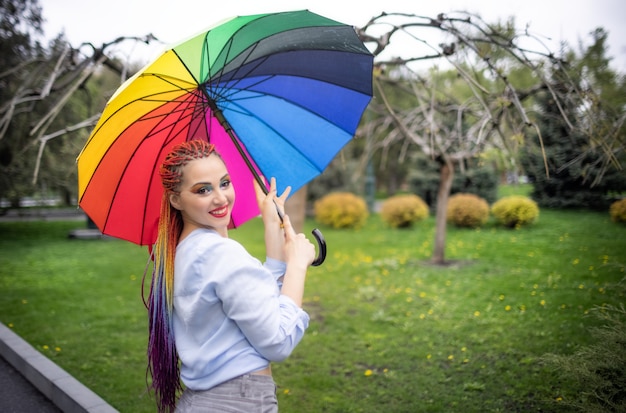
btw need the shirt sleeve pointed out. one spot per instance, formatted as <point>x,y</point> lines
<point>277,268</point>
<point>271,322</point>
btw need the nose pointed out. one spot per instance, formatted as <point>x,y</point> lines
<point>220,197</point>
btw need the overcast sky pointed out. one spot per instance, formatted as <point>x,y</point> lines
<point>170,21</point>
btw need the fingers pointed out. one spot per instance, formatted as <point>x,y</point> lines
<point>260,191</point>
<point>288,228</point>
<point>283,197</point>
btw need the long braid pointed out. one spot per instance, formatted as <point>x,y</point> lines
<point>163,362</point>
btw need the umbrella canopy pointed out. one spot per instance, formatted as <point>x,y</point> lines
<point>278,94</point>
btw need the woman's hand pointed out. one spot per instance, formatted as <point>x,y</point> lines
<point>299,251</point>
<point>268,205</point>
<point>299,254</point>
<point>270,202</point>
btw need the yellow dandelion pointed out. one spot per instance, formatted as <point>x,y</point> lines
<point>57,349</point>
<point>286,391</point>
<point>476,313</point>
<point>581,286</point>
<point>430,312</point>
<point>24,301</point>
<point>501,298</point>
<point>507,308</point>
<point>45,347</point>
<point>559,399</point>
<point>10,325</point>
<point>428,356</point>
<point>542,302</point>
<point>422,294</point>
<point>465,361</point>
<point>451,357</point>
<point>463,349</point>
<point>576,261</point>
<point>422,316</point>
<point>368,373</point>
<point>409,299</point>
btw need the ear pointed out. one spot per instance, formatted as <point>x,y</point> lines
<point>175,200</point>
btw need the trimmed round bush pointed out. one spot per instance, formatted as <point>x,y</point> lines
<point>341,210</point>
<point>617,211</point>
<point>467,210</point>
<point>515,211</point>
<point>401,211</point>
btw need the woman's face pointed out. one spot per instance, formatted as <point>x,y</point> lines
<point>206,195</point>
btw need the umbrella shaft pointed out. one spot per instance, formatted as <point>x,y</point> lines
<point>222,120</point>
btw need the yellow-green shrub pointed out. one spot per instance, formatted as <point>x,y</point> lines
<point>467,210</point>
<point>515,211</point>
<point>401,211</point>
<point>617,211</point>
<point>341,210</point>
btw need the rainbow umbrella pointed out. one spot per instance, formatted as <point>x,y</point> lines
<point>279,94</point>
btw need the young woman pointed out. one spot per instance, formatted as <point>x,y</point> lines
<point>219,311</point>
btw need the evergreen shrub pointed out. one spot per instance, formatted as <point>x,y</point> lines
<point>515,211</point>
<point>341,210</point>
<point>467,210</point>
<point>617,211</point>
<point>401,211</point>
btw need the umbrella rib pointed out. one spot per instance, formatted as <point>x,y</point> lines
<point>167,140</point>
<point>217,78</point>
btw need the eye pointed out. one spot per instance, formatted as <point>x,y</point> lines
<point>204,189</point>
<point>225,183</point>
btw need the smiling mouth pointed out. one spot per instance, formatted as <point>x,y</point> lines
<point>220,212</point>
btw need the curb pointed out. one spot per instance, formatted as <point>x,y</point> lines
<point>67,393</point>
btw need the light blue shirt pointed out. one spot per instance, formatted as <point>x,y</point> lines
<point>229,315</point>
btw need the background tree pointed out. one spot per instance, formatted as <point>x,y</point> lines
<point>583,173</point>
<point>484,108</point>
<point>20,24</point>
<point>49,95</point>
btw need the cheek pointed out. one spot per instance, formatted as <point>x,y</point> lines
<point>231,195</point>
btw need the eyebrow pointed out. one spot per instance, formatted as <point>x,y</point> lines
<point>227,175</point>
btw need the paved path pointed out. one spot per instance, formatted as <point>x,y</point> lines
<point>32,383</point>
<point>18,395</point>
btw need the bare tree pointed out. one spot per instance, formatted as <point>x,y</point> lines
<point>43,85</point>
<point>450,127</point>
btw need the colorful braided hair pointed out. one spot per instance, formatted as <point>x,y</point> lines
<point>163,362</point>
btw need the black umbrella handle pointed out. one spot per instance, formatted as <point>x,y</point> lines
<point>321,250</point>
<point>319,237</point>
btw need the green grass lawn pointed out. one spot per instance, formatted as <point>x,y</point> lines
<point>389,331</point>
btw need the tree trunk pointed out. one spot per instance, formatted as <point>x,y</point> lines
<point>295,207</point>
<point>445,183</point>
